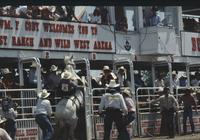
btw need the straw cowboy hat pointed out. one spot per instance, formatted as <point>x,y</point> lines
<point>44,94</point>
<point>127,92</point>
<point>106,68</point>
<point>66,75</point>
<point>6,71</point>
<point>53,68</point>
<point>121,68</point>
<point>33,65</point>
<point>112,84</point>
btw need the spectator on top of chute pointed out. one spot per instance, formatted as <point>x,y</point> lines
<point>96,16</point>
<point>183,80</point>
<point>154,19</point>
<point>159,82</point>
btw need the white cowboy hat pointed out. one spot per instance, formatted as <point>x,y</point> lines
<point>52,8</point>
<point>66,75</point>
<point>127,92</point>
<point>112,84</point>
<point>160,89</point>
<point>53,68</point>
<point>122,68</point>
<point>173,72</point>
<point>33,65</point>
<point>106,68</point>
<point>6,71</point>
<point>44,94</point>
<point>184,75</point>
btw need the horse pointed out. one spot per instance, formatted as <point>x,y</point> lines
<point>66,110</point>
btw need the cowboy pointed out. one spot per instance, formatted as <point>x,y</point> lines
<point>107,76</point>
<point>188,101</point>
<point>130,106</point>
<point>10,113</point>
<point>114,106</point>
<point>121,76</point>
<point>43,113</point>
<point>183,80</point>
<point>154,19</point>
<point>53,78</point>
<point>168,106</point>
<point>67,86</point>
<point>3,134</point>
<point>159,82</point>
<point>8,79</point>
<point>32,78</point>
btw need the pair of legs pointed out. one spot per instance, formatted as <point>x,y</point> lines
<point>167,123</point>
<point>114,116</point>
<point>188,113</point>
<point>10,127</point>
<point>45,124</point>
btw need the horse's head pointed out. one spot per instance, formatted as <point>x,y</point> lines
<point>69,62</point>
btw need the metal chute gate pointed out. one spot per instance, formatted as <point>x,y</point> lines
<point>149,118</point>
<point>27,129</point>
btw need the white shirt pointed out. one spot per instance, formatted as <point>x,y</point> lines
<point>159,83</point>
<point>43,107</point>
<point>112,100</point>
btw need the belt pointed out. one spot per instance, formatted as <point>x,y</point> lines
<point>112,109</point>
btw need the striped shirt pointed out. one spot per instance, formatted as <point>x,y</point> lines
<point>43,107</point>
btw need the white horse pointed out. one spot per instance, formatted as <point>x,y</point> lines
<point>65,114</point>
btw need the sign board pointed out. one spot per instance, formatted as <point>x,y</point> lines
<point>190,43</point>
<point>30,34</point>
<point>27,134</point>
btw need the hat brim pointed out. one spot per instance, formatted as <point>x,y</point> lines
<point>43,97</point>
<point>108,86</point>
<point>2,120</point>
<point>54,69</point>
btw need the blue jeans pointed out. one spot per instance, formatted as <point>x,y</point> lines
<point>129,118</point>
<point>188,113</point>
<point>10,127</point>
<point>45,124</point>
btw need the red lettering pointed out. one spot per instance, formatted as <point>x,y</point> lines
<point>102,45</point>
<point>62,43</point>
<point>94,30</point>
<point>22,41</point>
<point>194,47</point>
<point>83,29</point>
<point>58,28</point>
<point>198,44</point>
<point>16,24</point>
<point>45,42</point>
<point>31,132</point>
<point>6,24</point>
<point>31,26</point>
<point>3,40</point>
<point>82,44</point>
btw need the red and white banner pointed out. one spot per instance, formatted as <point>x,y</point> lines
<point>190,43</point>
<point>29,34</point>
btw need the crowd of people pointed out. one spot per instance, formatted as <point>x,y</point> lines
<point>54,13</point>
<point>191,25</point>
<point>116,100</point>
